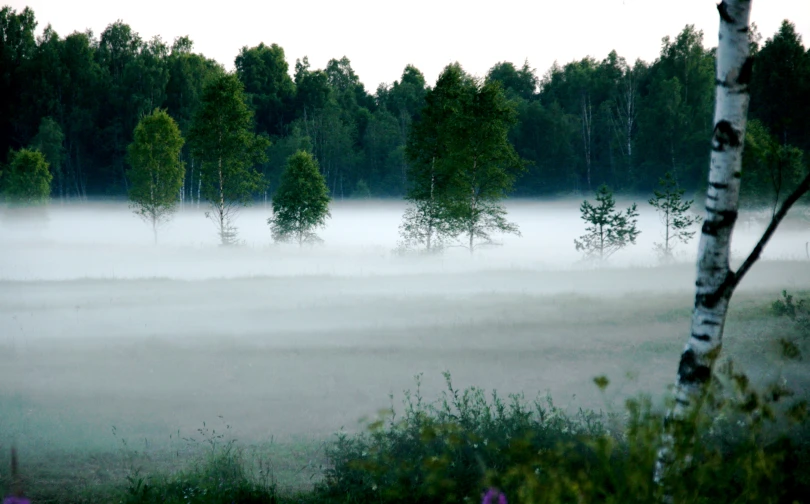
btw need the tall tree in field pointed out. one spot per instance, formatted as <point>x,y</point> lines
<point>483,163</point>
<point>157,172</point>
<point>27,180</point>
<point>222,139</point>
<point>715,279</point>
<point>428,223</point>
<point>609,230</point>
<point>301,203</point>
<point>673,211</point>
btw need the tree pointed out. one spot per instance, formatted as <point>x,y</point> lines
<point>716,281</point>
<point>768,167</point>
<point>672,209</point>
<point>189,73</point>
<point>301,203</point>
<point>609,230</point>
<point>50,142</point>
<point>427,222</point>
<point>483,163</point>
<point>268,86</point>
<point>157,173</point>
<point>779,83</point>
<point>27,180</point>
<point>221,138</point>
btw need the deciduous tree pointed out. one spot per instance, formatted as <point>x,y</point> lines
<point>27,180</point>
<point>157,173</point>
<point>221,137</point>
<point>716,281</point>
<point>301,203</point>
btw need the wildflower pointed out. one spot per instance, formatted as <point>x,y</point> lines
<point>494,496</point>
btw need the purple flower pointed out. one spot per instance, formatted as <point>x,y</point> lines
<point>16,500</point>
<point>494,496</point>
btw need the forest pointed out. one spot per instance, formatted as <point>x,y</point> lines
<point>78,98</point>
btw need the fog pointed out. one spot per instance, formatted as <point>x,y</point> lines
<point>105,240</point>
<point>99,327</point>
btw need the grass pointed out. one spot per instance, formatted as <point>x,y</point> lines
<point>451,448</point>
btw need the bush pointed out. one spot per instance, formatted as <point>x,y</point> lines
<point>453,450</point>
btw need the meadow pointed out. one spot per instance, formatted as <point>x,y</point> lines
<point>117,354</point>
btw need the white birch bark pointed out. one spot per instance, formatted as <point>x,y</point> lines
<point>715,280</point>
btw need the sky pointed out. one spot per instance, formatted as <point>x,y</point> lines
<point>381,37</point>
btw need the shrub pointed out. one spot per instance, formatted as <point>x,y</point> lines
<point>454,449</point>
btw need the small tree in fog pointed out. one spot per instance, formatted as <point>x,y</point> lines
<point>157,172</point>
<point>221,137</point>
<point>26,180</point>
<point>673,211</point>
<point>609,230</point>
<point>301,203</point>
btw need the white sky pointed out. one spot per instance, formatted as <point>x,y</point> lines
<point>380,37</point>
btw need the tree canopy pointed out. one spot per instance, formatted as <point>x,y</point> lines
<point>579,124</point>
<point>157,173</point>
<point>301,203</point>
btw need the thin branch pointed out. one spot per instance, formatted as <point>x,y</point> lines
<point>803,188</point>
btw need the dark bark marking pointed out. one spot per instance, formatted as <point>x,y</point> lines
<point>690,371</point>
<point>682,402</point>
<point>711,323</point>
<point>737,174</point>
<point>722,8</point>
<point>711,197</point>
<point>744,78</point>
<point>744,29</point>
<point>727,219</point>
<point>725,134</point>
<point>702,337</point>
<point>719,185</point>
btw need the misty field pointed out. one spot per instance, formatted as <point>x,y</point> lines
<point>107,339</point>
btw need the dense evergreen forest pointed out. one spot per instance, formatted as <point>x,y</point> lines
<point>78,98</point>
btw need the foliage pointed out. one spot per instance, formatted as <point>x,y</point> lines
<point>609,230</point>
<point>27,180</point>
<point>483,163</point>
<point>770,169</point>
<point>448,451</point>
<point>157,172</point>
<point>798,311</point>
<point>301,203</point>
<point>672,209</point>
<point>219,478</point>
<point>222,140</point>
<point>461,163</point>
<point>579,125</point>
<point>50,142</point>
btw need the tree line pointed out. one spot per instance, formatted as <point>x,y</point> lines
<point>78,98</point>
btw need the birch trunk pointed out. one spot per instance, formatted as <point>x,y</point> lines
<point>715,280</point>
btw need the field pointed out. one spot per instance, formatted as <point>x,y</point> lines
<point>110,345</point>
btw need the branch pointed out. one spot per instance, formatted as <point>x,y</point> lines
<point>753,257</point>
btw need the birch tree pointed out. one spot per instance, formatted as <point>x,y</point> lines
<point>157,172</point>
<point>715,279</point>
<point>221,138</point>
